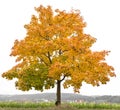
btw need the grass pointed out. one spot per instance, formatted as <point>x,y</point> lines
<point>26,104</point>
<point>51,106</point>
<point>96,106</point>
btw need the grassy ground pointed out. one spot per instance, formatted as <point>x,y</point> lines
<point>51,106</point>
<point>47,108</point>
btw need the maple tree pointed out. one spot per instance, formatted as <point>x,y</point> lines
<point>56,49</point>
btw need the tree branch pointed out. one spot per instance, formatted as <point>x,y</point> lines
<point>49,57</point>
<point>43,61</point>
<point>63,78</point>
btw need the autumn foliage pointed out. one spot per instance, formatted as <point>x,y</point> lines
<point>56,48</point>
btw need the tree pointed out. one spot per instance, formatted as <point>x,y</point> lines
<point>56,49</point>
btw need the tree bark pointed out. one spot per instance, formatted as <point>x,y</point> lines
<point>58,94</point>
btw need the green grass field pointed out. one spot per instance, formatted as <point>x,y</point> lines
<point>51,106</point>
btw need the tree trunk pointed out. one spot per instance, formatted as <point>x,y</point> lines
<point>58,94</point>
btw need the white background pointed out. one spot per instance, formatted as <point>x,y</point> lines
<point>103,23</point>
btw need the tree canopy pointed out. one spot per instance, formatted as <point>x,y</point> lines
<point>56,48</point>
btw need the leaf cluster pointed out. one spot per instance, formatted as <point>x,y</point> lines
<point>56,48</point>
